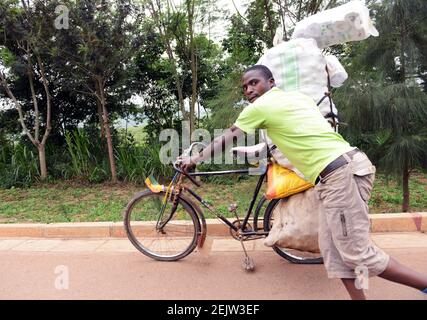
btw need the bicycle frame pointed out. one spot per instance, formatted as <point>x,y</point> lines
<point>255,231</point>
<point>240,230</point>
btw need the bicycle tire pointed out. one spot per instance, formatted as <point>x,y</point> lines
<point>291,255</point>
<point>139,231</point>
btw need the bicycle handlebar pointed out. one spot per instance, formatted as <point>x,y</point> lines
<point>175,166</point>
<point>187,153</point>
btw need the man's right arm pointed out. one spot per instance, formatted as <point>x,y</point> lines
<point>249,119</point>
<point>218,145</point>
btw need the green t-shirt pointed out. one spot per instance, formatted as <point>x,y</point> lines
<point>296,126</point>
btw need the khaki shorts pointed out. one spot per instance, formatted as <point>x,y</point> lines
<point>344,223</point>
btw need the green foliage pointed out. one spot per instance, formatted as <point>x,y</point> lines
<point>82,151</point>
<point>77,202</point>
<point>7,57</point>
<point>136,162</point>
<point>137,133</point>
<point>224,106</point>
<point>387,193</point>
<point>155,71</point>
<point>18,166</point>
<point>384,103</point>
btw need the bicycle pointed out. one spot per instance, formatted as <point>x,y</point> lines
<point>165,224</point>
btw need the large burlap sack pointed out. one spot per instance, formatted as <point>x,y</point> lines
<point>299,65</point>
<point>296,223</point>
<point>349,22</point>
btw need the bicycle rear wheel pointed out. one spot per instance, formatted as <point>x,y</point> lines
<point>294,256</point>
<point>157,230</point>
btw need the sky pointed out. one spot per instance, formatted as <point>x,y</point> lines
<point>220,29</point>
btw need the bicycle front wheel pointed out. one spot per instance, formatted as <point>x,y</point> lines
<point>159,230</point>
<point>294,256</point>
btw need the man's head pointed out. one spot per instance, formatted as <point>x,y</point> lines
<point>256,81</point>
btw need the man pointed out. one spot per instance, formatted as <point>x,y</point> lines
<point>343,176</point>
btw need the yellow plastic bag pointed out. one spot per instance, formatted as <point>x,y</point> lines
<point>283,182</point>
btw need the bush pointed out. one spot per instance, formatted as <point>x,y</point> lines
<point>136,162</point>
<point>19,166</point>
<point>83,157</point>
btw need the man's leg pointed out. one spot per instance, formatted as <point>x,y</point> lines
<point>399,273</point>
<point>330,228</point>
<point>355,294</point>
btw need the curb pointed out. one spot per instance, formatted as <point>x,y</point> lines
<point>384,222</point>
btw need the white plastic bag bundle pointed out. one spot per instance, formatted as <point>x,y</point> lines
<point>349,22</point>
<point>299,65</point>
<point>336,71</point>
<point>278,36</point>
<point>278,156</point>
<point>296,223</point>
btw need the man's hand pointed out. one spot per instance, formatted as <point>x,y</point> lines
<point>187,163</point>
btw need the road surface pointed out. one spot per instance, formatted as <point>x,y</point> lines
<point>112,269</point>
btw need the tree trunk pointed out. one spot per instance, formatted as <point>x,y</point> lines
<point>101,95</point>
<point>42,159</point>
<point>48,119</point>
<point>36,107</point>
<point>101,120</point>
<point>18,106</point>
<point>190,9</point>
<point>167,42</point>
<point>403,35</point>
<point>41,146</point>
<point>282,13</point>
<point>405,176</point>
<point>269,22</point>
<point>405,185</point>
<point>299,10</point>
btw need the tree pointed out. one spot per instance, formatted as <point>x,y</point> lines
<point>177,59</point>
<point>248,36</point>
<point>162,16</point>
<point>98,48</point>
<point>385,103</point>
<point>180,29</point>
<point>252,32</point>
<point>26,31</point>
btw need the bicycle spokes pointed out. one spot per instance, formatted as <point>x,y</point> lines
<point>166,235</point>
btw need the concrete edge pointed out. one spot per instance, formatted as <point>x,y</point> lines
<point>383,222</point>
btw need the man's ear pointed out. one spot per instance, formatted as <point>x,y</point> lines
<point>272,82</point>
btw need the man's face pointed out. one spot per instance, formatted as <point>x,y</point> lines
<point>255,84</point>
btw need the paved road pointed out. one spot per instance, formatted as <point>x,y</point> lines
<point>110,269</point>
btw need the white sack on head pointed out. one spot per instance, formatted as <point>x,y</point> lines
<point>349,22</point>
<point>299,65</point>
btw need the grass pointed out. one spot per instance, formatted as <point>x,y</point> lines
<point>387,194</point>
<point>80,202</point>
<point>138,134</point>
